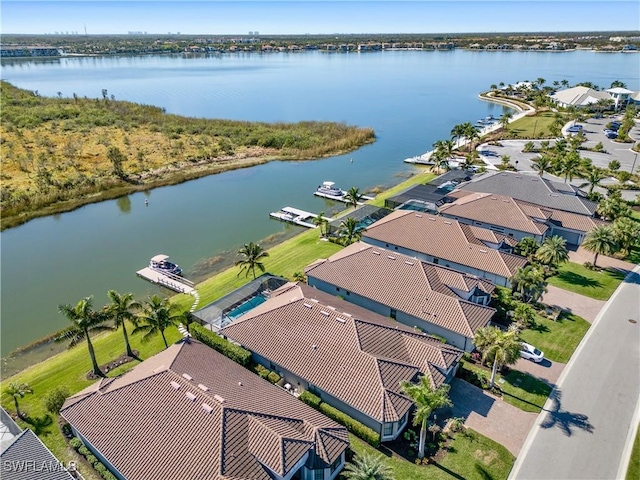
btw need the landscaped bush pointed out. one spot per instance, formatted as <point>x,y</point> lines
<point>75,443</point>
<point>100,468</point>
<point>263,372</point>
<point>473,377</point>
<point>311,399</point>
<point>84,451</point>
<point>54,400</point>
<point>108,476</point>
<point>92,459</point>
<point>273,377</point>
<point>228,349</point>
<point>365,433</point>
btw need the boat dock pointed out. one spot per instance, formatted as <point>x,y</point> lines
<point>340,198</point>
<point>168,280</point>
<point>293,215</point>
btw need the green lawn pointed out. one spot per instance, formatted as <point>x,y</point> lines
<point>558,340</point>
<point>472,457</point>
<point>579,279</point>
<point>539,123</point>
<point>519,389</point>
<point>422,177</point>
<point>633,471</point>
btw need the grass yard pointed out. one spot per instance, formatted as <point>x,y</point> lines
<point>472,456</point>
<point>590,283</point>
<point>422,177</point>
<point>557,339</point>
<point>539,123</point>
<point>519,389</point>
<point>633,471</point>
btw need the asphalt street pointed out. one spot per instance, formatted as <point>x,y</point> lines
<point>588,422</point>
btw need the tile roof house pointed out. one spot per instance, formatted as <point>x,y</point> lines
<point>517,218</point>
<point>191,413</point>
<point>350,357</point>
<point>533,189</point>
<point>579,96</point>
<point>440,240</point>
<point>436,299</point>
<point>25,457</point>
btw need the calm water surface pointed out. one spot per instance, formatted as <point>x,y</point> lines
<point>411,99</point>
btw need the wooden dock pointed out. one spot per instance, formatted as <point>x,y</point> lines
<point>340,198</point>
<point>172,282</point>
<point>296,216</point>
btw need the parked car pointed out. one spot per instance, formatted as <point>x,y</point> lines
<point>610,133</point>
<point>615,125</point>
<point>574,128</point>
<point>531,353</point>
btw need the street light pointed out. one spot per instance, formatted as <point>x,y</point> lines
<point>634,163</point>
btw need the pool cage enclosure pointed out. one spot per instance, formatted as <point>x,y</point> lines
<point>365,216</point>
<point>214,315</point>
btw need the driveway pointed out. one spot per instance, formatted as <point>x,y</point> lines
<point>581,255</point>
<point>585,307</point>
<point>490,416</point>
<point>546,370</point>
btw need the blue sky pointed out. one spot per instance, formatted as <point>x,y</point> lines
<point>326,17</point>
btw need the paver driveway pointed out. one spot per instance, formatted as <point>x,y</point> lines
<point>585,307</point>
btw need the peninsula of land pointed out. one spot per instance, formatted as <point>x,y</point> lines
<point>61,153</point>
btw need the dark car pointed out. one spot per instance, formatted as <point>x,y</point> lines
<point>610,133</point>
<point>574,129</point>
<point>615,126</point>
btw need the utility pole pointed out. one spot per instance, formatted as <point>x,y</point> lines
<point>634,163</point>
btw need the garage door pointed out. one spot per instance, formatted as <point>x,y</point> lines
<point>572,238</point>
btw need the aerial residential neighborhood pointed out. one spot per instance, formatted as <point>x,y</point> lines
<point>469,312</point>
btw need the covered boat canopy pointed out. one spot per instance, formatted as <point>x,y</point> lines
<point>328,184</point>
<point>159,258</point>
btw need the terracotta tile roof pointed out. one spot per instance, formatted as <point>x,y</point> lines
<point>400,282</point>
<point>574,221</point>
<point>198,415</point>
<point>497,210</point>
<point>482,236</point>
<point>355,355</point>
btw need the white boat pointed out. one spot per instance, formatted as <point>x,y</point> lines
<point>161,263</point>
<point>329,188</point>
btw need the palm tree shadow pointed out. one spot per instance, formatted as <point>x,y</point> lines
<point>450,472</point>
<point>577,279</point>
<point>565,421</point>
<point>39,424</point>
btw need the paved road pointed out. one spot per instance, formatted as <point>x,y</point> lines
<point>585,429</point>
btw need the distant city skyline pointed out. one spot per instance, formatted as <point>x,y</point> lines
<point>317,17</point>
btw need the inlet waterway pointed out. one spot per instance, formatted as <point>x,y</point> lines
<point>410,98</point>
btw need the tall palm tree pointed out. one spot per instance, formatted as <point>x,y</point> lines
<point>252,253</point>
<point>353,196</point>
<point>505,118</point>
<point>601,240</point>
<point>427,400</point>
<point>527,247</point>
<point>368,467</point>
<point>523,316</point>
<point>569,165</point>
<point>593,177</point>
<point>471,134</point>
<point>17,390</point>
<point>157,316</point>
<point>320,222</point>
<point>553,251</point>
<point>122,310</point>
<point>529,282</point>
<point>84,321</point>
<point>612,208</point>
<point>501,348</point>
<point>627,233</point>
<point>349,231</point>
<point>458,132</point>
<point>542,164</point>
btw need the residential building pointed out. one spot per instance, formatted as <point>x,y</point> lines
<point>436,299</point>
<point>353,359</point>
<point>443,241</point>
<point>533,189</point>
<point>191,413</point>
<point>579,96</point>
<point>621,96</point>
<point>518,219</point>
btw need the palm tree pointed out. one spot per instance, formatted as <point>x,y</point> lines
<point>458,132</point>
<point>612,208</point>
<point>543,164</point>
<point>505,119</point>
<point>121,310</point>
<point>320,222</point>
<point>158,315</point>
<point>501,348</point>
<point>553,251</point>
<point>527,247</point>
<point>84,320</point>
<point>252,253</point>
<point>601,240</point>
<point>627,233</point>
<point>569,165</point>
<point>368,467</point>
<point>353,196</point>
<point>15,391</point>
<point>523,316</point>
<point>427,400</point>
<point>470,133</point>
<point>529,282</point>
<point>349,231</point>
<point>593,177</point>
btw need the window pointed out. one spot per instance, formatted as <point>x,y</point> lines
<point>394,313</point>
<point>403,420</point>
<point>318,474</point>
<point>388,429</point>
<point>336,463</point>
<point>337,289</point>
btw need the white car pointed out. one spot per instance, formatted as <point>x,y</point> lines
<point>531,353</point>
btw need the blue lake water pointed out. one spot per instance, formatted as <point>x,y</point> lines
<point>411,99</point>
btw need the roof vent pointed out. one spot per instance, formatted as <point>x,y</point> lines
<point>375,253</point>
<point>506,200</point>
<point>347,314</point>
<point>408,262</point>
<point>326,314</point>
<point>554,194</point>
<point>187,376</point>
<point>448,223</point>
<point>341,320</point>
<point>314,347</point>
<point>308,305</point>
<point>331,308</point>
<point>482,251</point>
<point>202,387</point>
<point>493,198</point>
<point>190,396</point>
<point>391,257</point>
<point>207,408</point>
<point>314,300</point>
<point>419,216</point>
<point>175,385</point>
<point>218,398</point>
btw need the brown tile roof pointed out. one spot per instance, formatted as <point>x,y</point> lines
<point>402,283</point>
<point>355,355</point>
<point>195,414</point>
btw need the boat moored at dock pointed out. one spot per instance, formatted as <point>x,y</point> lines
<point>161,264</point>
<point>296,216</point>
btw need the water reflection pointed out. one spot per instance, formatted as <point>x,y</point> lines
<point>124,204</point>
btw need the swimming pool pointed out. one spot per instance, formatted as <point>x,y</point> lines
<point>244,307</point>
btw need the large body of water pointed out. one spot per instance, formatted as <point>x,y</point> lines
<point>411,99</point>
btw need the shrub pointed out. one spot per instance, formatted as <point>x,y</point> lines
<point>273,377</point>
<point>365,433</point>
<point>100,468</point>
<point>84,451</point>
<point>310,399</point>
<point>92,459</point>
<point>108,476</point>
<point>263,372</point>
<point>54,400</point>
<point>228,349</point>
<point>75,443</point>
